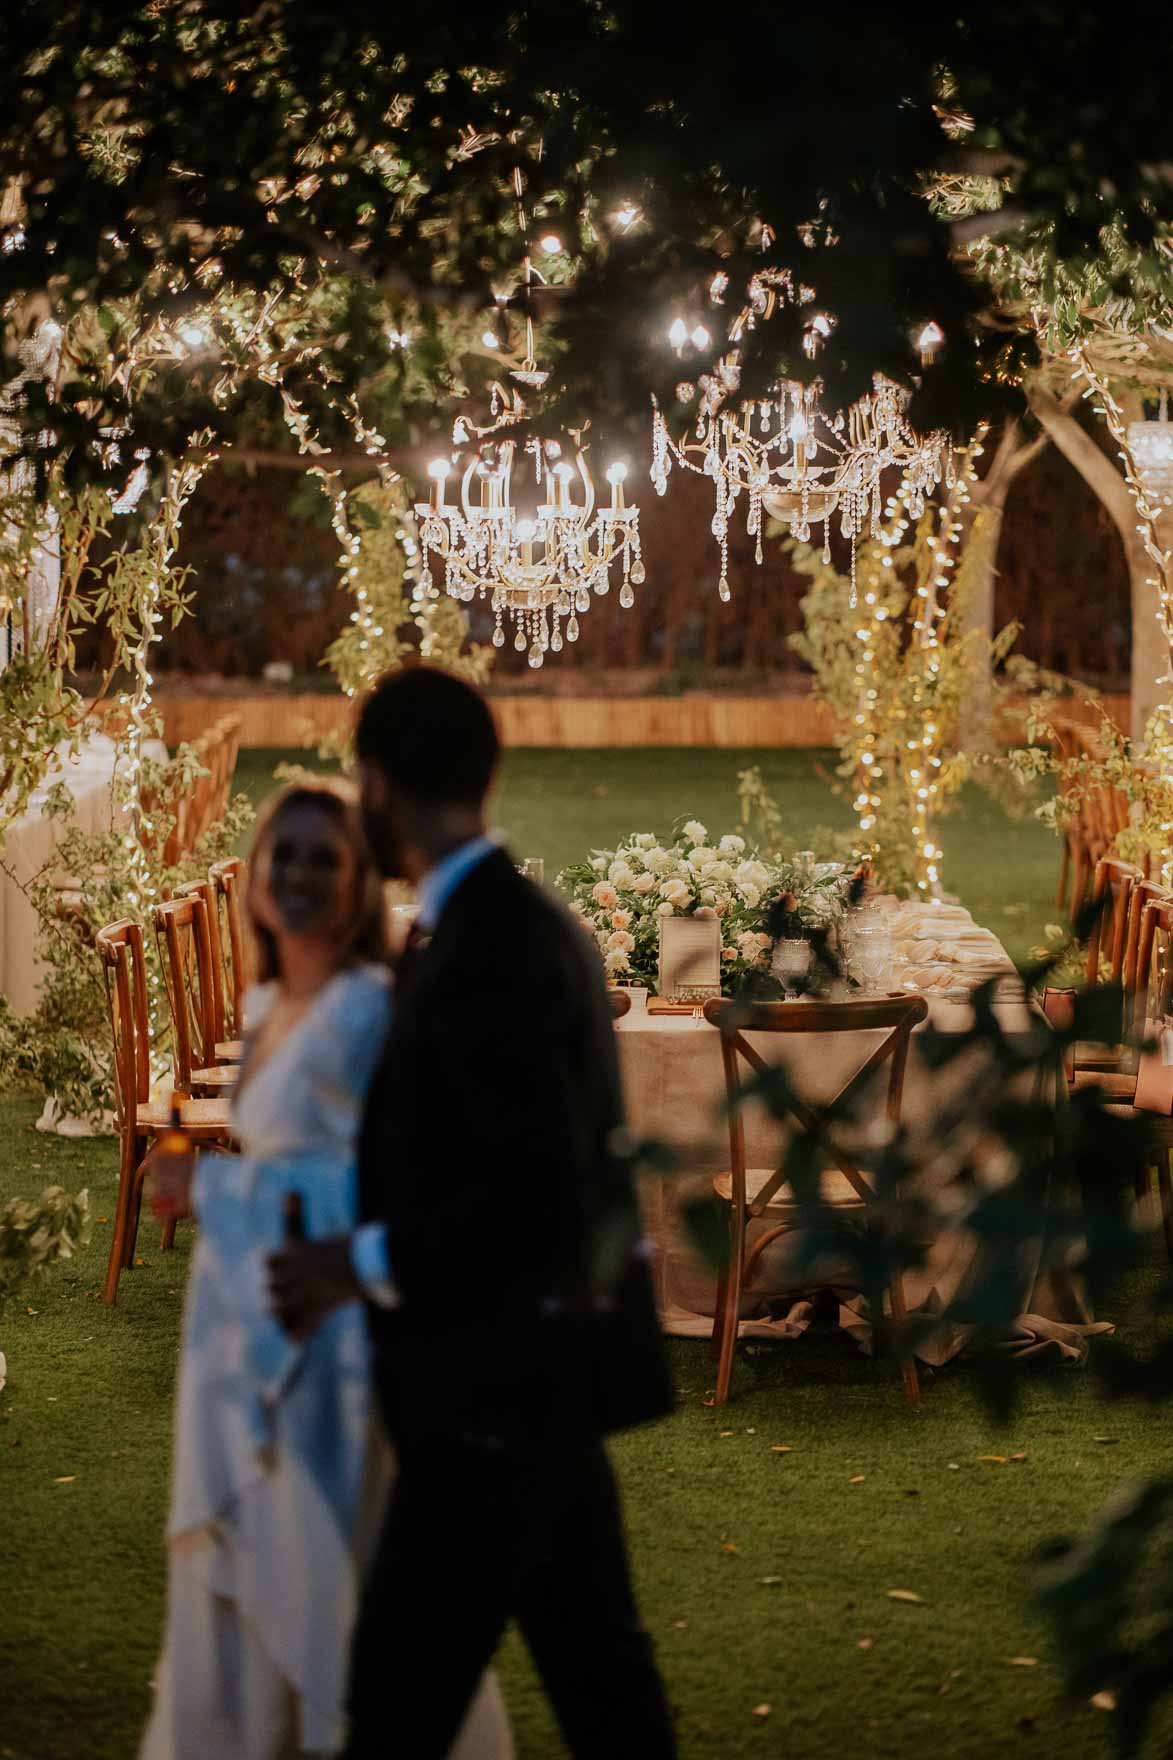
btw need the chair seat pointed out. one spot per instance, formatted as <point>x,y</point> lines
<point>1113,1086</point>
<point>1158,1126</point>
<point>834,1188</point>
<point>200,1118</point>
<point>220,1076</point>
<point>230,1050</point>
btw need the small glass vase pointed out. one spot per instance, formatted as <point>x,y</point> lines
<point>790,963</point>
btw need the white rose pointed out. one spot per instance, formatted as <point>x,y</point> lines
<point>677,893</point>
<point>695,831</point>
<point>657,859</point>
<point>616,961</point>
<point>621,939</point>
<point>750,894</point>
<point>702,858</point>
<point>598,863</point>
<point>752,874</point>
<point>645,840</point>
<point>731,845</point>
<point>719,871</point>
<point>621,919</point>
<point>619,874</point>
<point>643,883</point>
<point>748,943</point>
<point>605,895</point>
<point>666,910</point>
<point>706,910</point>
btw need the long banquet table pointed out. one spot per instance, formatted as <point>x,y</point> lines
<point>674,1086</point>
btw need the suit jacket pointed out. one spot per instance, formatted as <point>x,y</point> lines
<point>488,1150</point>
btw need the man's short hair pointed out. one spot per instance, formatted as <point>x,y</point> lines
<point>431,734</point>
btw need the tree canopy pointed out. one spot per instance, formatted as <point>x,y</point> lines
<point>320,183</point>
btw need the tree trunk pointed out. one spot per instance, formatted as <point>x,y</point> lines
<point>988,498</point>
<point>1150,664</point>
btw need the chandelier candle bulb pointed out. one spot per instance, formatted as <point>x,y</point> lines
<point>678,334</point>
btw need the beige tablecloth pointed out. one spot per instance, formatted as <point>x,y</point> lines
<point>674,1086</point>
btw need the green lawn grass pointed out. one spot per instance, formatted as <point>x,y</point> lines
<point>85,1428</point>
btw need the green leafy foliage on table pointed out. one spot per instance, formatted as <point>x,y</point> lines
<point>621,895</point>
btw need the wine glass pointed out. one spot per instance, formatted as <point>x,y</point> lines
<point>790,963</point>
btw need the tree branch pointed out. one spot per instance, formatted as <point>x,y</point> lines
<point>1080,450</point>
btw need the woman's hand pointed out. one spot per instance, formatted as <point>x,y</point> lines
<point>171,1180</point>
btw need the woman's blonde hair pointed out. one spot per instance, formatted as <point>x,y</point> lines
<point>366,935</point>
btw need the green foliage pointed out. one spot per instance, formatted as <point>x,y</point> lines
<point>898,670</point>
<point>356,170</point>
<point>390,623</point>
<point>38,1233</point>
<point>64,1046</point>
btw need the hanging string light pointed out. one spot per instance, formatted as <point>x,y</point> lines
<point>539,567</point>
<point>783,452</point>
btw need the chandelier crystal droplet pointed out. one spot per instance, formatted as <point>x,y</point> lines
<point>538,567</point>
<point>783,453</point>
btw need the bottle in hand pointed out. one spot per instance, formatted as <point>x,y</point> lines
<point>294,1212</point>
<point>175,1140</point>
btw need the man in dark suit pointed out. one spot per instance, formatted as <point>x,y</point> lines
<point>510,1309</point>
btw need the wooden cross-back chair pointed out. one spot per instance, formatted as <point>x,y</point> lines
<point>185,953</point>
<point>120,946</point>
<point>1112,889</point>
<point>761,1194</point>
<point>225,1049</point>
<point>1154,1002</point>
<point>1113,1071</point>
<point>229,879</point>
<point>620,1003</point>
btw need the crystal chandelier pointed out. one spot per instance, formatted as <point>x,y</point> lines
<point>1152,448</point>
<point>539,566</point>
<point>783,452</point>
<point>540,569</point>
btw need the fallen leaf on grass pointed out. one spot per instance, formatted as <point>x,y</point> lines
<point>858,1479</point>
<point>66,1479</point>
<point>762,1710</point>
<point>729,1547</point>
<point>751,1432</point>
<point>724,1433</point>
<point>770,1582</point>
<point>953,1467</point>
<point>781,1448</point>
<point>1022,1662</point>
<point>1106,1440</point>
<point>903,1595</point>
<point>1103,1701</point>
<point>679,1625</point>
<point>103,1219</point>
<point>993,1460</point>
<point>865,1643</point>
<point>1020,1457</point>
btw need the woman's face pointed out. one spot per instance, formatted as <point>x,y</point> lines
<point>308,885</point>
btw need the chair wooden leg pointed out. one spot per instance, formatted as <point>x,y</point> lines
<point>717,1339</point>
<point>136,1208</point>
<point>167,1239</point>
<point>1165,1187</point>
<point>128,1163</point>
<point>732,1305</point>
<point>908,1369</point>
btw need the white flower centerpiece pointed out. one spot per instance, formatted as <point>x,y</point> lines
<point>620,894</point>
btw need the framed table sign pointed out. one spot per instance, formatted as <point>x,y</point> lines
<point>690,958</point>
